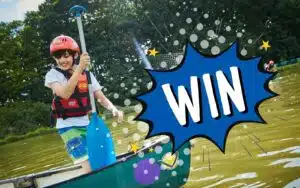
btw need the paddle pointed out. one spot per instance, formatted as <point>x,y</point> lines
<point>99,141</point>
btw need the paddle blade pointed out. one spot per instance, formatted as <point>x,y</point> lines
<point>100,144</point>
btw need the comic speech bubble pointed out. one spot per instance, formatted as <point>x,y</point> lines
<point>204,97</point>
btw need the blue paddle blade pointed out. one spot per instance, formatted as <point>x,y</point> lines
<point>100,144</point>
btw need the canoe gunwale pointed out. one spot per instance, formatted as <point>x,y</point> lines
<point>31,177</point>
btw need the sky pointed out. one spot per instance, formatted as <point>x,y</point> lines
<point>15,9</point>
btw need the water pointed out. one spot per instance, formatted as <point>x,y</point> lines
<point>250,148</point>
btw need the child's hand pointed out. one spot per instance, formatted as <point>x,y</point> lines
<point>119,114</point>
<point>84,61</point>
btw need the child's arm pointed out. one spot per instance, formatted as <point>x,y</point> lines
<point>106,103</point>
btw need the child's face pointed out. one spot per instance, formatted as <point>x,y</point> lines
<point>64,60</point>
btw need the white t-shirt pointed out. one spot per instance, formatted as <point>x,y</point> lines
<point>56,76</point>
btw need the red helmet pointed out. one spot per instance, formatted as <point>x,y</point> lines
<point>63,42</point>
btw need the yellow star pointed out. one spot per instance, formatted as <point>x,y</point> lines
<point>265,45</point>
<point>153,52</point>
<point>151,149</point>
<point>134,147</point>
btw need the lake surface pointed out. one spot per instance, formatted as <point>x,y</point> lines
<point>257,155</point>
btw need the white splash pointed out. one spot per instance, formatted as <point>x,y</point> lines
<point>206,178</point>
<point>294,149</point>
<point>254,185</point>
<point>199,169</point>
<point>285,139</point>
<point>237,177</point>
<point>291,162</point>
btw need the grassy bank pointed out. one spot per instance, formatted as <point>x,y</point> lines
<point>37,132</point>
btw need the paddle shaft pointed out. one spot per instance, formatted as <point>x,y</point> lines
<point>83,48</point>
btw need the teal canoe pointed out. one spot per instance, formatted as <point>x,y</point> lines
<point>151,166</point>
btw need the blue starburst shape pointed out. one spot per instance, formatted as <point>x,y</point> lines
<point>205,96</point>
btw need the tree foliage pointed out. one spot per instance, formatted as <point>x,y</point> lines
<point>110,27</point>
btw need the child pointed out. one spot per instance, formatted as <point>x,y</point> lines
<point>71,104</point>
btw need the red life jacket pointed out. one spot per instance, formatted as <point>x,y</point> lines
<point>79,102</point>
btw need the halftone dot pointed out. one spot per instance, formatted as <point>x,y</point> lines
<point>180,162</point>
<point>116,95</point>
<point>250,41</point>
<point>206,16</point>
<point>177,14</point>
<point>228,28</point>
<point>151,160</point>
<point>149,85</point>
<point>176,43</point>
<point>168,184</point>
<point>217,22</point>
<point>184,179</point>
<point>171,25</point>
<point>204,44</point>
<point>136,137</point>
<point>114,124</point>
<point>119,142</point>
<point>135,78</point>
<point>234,17</point>
<point>141,154</point>
<point>111,78</point>
<point>211,33</point>
<point>222,39</point>
<point>134,84</point>
<point>130,119</point>
<point>195,9</point>
<point>133,91</point>
<point>101,146</point>
<point>138,108</point>
<point>193,141</point>
<point>135,165</point>
<point>199,26</point>
<point>142,126</point>
<point>223,11</point>
<point>243,30</point>
<point>215,50</point>
<point>244,52</point>
<point>163,64</point>
<point>188,20</point>
<point>197,158</point>
<point>166,140</point>
<point>239,34</point>
<point>193,38</point>
<point>127,102</point>
<point>156,178</point>
<point>186,151</point>
<point>104,89</point>
<point>182,31</point>
<point>122,85</point>
<point>140,80</point>
<point>125,130</point>
<point>183,2</point>
<point>145,171</point>
<point>179,59</point>
<point>158,149</point>
<point>183,48</point>
<point>174,173</point>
